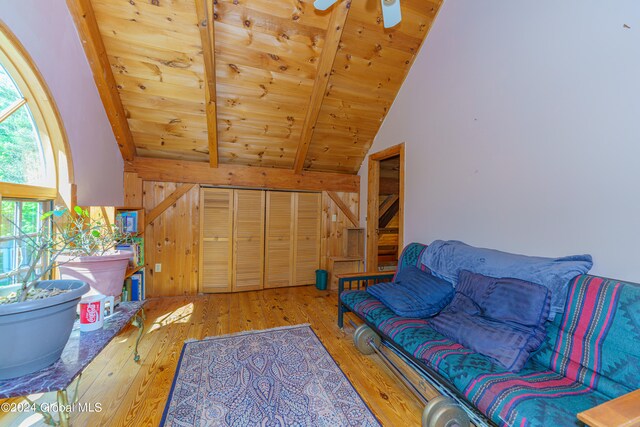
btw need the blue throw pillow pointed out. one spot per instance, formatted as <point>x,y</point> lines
<point>414,293</point>
<point>501,318</point>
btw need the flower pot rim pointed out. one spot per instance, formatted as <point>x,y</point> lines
<point>32,305</point>
<point>112,256</point>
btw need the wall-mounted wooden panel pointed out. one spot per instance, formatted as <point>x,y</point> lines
<point>248,240</point>
<point>132,189</point>
<point>172,240</point>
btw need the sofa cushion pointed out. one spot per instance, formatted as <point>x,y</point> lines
<point>447,258</point>
<point>415,293</point>
<point>501,299</point>
<point>500,318</point>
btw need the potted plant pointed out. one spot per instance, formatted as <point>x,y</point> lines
<point>92,257</point>
<point>37,316</point>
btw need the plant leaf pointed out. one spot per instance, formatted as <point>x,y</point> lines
<point>95,233</point>
<point>78,210</point>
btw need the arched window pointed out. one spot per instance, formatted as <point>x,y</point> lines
<point>35,162</point>
<point>21,152</point>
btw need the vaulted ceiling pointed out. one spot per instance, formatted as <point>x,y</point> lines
<point>287,86</point>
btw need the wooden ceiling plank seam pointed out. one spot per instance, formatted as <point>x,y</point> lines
<point>89,32</point>
<point>327,57</point>
<point>204,9</point>
<point>152,169</point>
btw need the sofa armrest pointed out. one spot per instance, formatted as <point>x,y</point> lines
<point>362,280</point>
<point>622,411</point>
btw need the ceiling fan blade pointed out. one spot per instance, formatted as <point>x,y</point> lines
<point>323,4</point>
<point>391,13</point>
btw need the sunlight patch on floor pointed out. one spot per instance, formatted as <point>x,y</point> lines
<point>179,315</point>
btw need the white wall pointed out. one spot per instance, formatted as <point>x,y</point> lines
<point>47,31</point>
<point>522,130</point>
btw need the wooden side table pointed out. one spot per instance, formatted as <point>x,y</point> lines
<point>621,412</point>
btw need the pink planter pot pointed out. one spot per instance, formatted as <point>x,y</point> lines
<point>105,274</point>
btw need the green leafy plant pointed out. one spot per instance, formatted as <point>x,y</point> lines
<point>62,232</point>
<point>88,236</point>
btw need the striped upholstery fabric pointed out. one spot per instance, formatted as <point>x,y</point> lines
<point>411,255</point>
<point>589,356</point>
<point>596,341</point>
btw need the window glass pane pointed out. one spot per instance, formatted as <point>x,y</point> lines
<point>9,92</point>
<point>15,253</point>
<point>8,213</point>
<point>21,159</point>
<point>7,244</point>
<point>30,217</point>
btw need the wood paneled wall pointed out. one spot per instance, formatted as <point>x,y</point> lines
<point>172,239</point>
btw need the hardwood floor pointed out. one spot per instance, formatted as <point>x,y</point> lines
<point>135,394</point>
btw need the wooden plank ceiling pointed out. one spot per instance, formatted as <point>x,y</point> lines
<point>268,54</point>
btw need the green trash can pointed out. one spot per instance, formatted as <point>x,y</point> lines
<point>321,279</point>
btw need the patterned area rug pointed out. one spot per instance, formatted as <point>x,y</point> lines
<point>272,378</point>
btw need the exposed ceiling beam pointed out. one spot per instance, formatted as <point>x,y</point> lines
<point>327,57</point>
<point>150,169</point>
<point>85,21</point>
<point>204,9</point>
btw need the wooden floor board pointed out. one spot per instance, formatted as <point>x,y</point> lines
<point>134,394</point>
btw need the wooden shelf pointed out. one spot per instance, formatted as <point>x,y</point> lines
<point>131,271</point>
<point>141,218</point>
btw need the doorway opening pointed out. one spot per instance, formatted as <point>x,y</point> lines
<point>385,209</point>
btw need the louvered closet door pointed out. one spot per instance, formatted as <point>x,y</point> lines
<point>279,239</point>
<point>307,238</point>
<point>248,240</point>
<point>216,219</point>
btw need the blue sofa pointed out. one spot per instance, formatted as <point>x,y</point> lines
<point>591,353</point>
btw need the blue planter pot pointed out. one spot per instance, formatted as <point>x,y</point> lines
<point>37,330</point>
